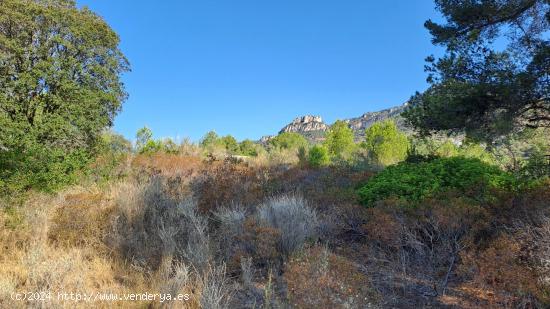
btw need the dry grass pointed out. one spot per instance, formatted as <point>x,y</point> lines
<point>68,243</point>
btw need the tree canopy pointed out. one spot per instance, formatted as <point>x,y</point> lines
<point>60,85</point>
<point>495,74</point>
<point>340,140</point>
<point>386,143</point>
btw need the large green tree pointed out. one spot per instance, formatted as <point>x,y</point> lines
<point>495,74</point>
<point>60,86</point>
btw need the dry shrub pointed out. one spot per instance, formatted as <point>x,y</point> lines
<point>247,272</point>
<point>317,278</point>
<point>226,183</point>
<point>152,225</point>
<point>261,242</point>
<point>511,259</point>
<point>252,241</point>
<point>500,268</point>
<point>292,216</point>
<point>384,229</point>
<point>279,156</point>
<point>32,263</point>
<point>324,188</point>
<point>216,291</point>
<point>189,149</point>
<point>168,165</point>
<point>231,228</point>
<point>83,219</point>
<point>418,249</point>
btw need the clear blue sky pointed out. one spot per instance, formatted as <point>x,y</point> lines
<point>248,67</point>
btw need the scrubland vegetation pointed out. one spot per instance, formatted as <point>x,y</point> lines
<point>455,212</point>
<point>278,229</point>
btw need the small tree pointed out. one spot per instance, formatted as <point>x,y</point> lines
<point>340,140</point>
<point>318,156</point>
<point>209,139</point>
<point>230,144</point>
<point>169,146</point>
<point>143,136</point>
<point>145,144</point>
<point>248,148</point>
<point>447,149</point>
<point>386,143</point>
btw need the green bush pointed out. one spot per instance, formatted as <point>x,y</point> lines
<point>112,154</point>
<point>537,166</point>
<point>413,182</point>
<point>249,148</point>
<point>288,140</point>
<point>145,144</point>
<point>40,168</point>
<point>211,138</point>
<point>318,156</point>
<point>230,144</point>
<point>211,143</point>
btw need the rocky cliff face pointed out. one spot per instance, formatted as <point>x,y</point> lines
<point>305,124</point>
<point>360,124</point>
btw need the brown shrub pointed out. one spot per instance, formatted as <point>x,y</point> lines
<point>317,278</point>
<point>82,220</point>
<point>261,242</point>
<point>500,269</point>
<point>169,165</point>
<point>384,228</point>
<point>226,183</point>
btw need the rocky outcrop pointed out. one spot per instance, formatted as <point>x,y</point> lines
<point>306,124</point>
<point>360,124</point>
<point>265,139</point>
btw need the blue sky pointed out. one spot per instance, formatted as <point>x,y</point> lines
<point>248,67</point>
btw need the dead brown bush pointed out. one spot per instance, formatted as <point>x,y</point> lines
<point>317,278</point>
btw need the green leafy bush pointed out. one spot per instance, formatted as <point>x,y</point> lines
<point>230,144</point>
<point>537,166</point>
<point>40,168</point>
<point>212,143</point>
<point>288,140</point>
<point>209,139</point>
<point>415,181</point>
<point>113,152</point>
<point>249,148</point>
<point>318,156</point>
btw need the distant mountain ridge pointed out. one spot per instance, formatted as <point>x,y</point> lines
<point>314,128</point>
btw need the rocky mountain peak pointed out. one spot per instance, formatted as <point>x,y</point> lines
<point>306,123</point>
